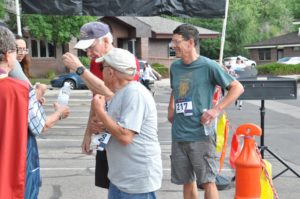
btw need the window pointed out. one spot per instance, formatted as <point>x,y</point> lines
<point>296,48</point>
<point>264,54</point>
<point>42,48</point>
<point>171,51</point>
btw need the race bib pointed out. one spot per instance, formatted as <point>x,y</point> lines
<point>184,106</point>
<point>101,140</point>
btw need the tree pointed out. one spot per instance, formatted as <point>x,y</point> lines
<point>59,29</point>
<point>248,21</point>
<point>2,11</point>
<point>294,7</point>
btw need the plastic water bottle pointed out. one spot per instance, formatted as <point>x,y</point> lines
<point>64,94</point>
<point>209,127</point>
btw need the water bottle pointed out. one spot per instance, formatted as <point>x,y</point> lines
<point>209,127</point>
<point>64,94</point>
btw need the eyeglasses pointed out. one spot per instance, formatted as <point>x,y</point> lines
<point>22,51</point>
<point>176,42</point>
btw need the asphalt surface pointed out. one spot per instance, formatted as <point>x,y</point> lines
<point>69,174</point>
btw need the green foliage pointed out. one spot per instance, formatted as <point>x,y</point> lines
<point>278,69</point>
<point>51,74</point>
<point>2,11</point>
<point>248,21</point>
<point>58,29</point>
<point>161,69</point>
<point>42,81</point>
<point>85,61</point>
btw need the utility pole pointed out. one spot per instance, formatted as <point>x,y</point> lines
<point>223,32</point>
<point>18,18</point>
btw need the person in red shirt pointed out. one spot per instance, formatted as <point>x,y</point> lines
<point>96,39</point>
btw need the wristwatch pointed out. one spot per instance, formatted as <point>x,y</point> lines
<point>80,70</point>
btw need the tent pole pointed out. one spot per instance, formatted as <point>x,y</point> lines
<point>223,33</point>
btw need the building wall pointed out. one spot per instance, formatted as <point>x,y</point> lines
<point>290,52</point>
<point>40,66</point>
<point>287,52</point>
<point>159,52</point>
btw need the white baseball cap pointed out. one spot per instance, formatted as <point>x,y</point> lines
<point>121,60</point>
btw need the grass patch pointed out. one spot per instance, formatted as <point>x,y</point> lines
<point>161,69</point>
<point>41,80</point>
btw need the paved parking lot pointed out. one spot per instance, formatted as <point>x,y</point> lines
<point>69,174</point>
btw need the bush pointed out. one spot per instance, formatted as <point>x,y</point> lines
<point>278,69</point>
<point>161,69</point>
<point>51,74</point>
<point>85,61</point>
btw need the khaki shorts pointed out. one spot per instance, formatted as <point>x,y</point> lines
<point>191,161</point>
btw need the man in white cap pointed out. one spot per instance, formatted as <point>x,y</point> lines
<point>133,151</point>
<point>96,39</point>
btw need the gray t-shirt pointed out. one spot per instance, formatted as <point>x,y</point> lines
<point>137,167</point>
<point>18,73</point>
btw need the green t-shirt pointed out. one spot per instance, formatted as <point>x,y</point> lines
<point>194,85</point>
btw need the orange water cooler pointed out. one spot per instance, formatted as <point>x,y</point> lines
<point>248,164</point>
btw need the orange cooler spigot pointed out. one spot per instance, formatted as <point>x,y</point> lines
<point>248,164</point>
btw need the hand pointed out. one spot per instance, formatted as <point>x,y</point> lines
<point>86,143</point>
<point>63,110</point>
<point>71,61</point>
<point>209,115</point>
<point>96,125</point>
<point>40,90</point>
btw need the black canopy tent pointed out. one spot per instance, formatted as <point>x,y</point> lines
<point>183,8</point>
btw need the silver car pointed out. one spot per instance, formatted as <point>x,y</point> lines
<point>228,61</point>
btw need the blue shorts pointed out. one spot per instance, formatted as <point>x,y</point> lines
<point>115,193</point>
<point>191,161</point>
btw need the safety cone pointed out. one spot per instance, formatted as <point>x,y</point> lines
<point>248,164</point>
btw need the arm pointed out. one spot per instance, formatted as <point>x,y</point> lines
<point>235,89</point>
<point>61,112</point>
<point>171,108</point>
<point>123,135</point>
<point>93,127</point>
<point>93,83</point>
<point>37,119</point>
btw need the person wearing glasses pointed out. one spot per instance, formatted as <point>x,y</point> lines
<point>19,168</point>
<point>22,55</point>
<point>130,117</point>
<point>96,40</point>
<point>193,82</point>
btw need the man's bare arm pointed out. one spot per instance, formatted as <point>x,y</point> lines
<point>95,84</point>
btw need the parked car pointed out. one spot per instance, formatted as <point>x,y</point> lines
<point>289,60</point>
<point>75,81</point>
<point>228,61</point>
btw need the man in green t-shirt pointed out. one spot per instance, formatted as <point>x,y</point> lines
<point>193,82</point>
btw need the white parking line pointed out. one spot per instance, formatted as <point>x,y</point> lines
<point>93,168</point>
